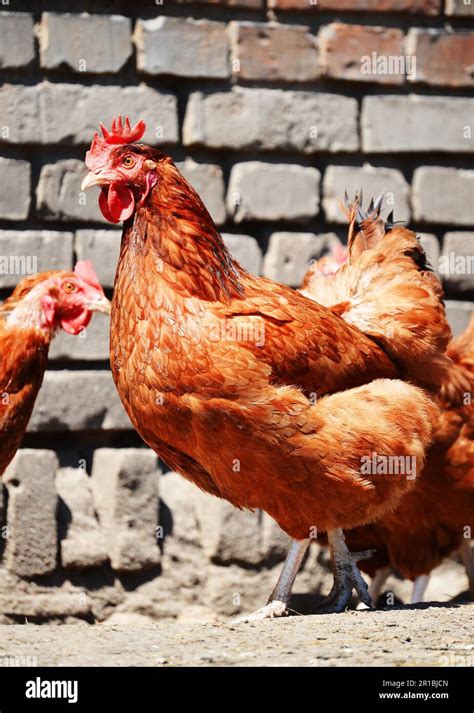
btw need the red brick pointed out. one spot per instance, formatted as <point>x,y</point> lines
<point>257,52</point>
<point>420,7</point>
<point>442,58</point>
<point>257,4</point>
<point>354,52</point>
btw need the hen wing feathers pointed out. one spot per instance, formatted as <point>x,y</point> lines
<point>388,291</point>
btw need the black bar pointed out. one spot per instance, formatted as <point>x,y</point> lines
<point>147,689</point>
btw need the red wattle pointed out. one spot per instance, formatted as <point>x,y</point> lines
<point>103,205</point>
<point>75,325</point>
<point>116,202</point>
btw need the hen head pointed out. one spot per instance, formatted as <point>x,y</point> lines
<point>125,172</point>
<point>61,299</point>
<point>330,263</point>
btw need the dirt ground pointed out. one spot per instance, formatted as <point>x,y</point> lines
<point>422,635</point>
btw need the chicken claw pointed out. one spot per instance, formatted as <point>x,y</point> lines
<point>346,575</point>
<point>278,603</point>
<point>376,586</point>
<point>273,609</point>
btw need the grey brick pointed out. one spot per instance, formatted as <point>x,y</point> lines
<point>373,182</point>
<point>456,264</point>
<point>84,43</point>
<point>178,495</point>
<point>459,315</point>
<point>431,247</point>
<point>85,107</point>
<point>246,251</point>
<point>32,541</point>
<point>20,119</point>
<point>103,248</point>
<point>459,8</point>
<point>182,47</point>
<point>78,401</point>
<point>40,249</point>
<point>52,604</point>
<point>37,114</point>
<point>208,181</point>
<point>275,542</point>
<point>443,195</point>
<point>92,344</point>
<point>125,487</point>
<point>15,186</point>
<point>17,47</point>
<point>228,535</point>
<point>271,119</point>
<point>83,543</point>
<point>273,52</point>
<point>417,123</point>
<point>289,255</point>
<point>267,191</point>
<point>59,195</point>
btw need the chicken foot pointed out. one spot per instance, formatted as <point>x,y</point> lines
<point>278,602</point>
<point>376,586</point>
<point>467,557</point>
<point>377,583</point>
<point>419,588</point>
<point>346,575</point>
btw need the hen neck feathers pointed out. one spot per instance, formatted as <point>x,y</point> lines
<point>27,314</point>
<point>174,230</point>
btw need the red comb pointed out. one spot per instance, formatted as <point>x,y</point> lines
<point>119,134</point>
<point>85,270</point>
<point>123,134</point>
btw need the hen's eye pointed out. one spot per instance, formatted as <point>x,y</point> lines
<point>128,161</point>
<point>69,287</point>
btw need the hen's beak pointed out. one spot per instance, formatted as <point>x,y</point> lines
<point>101,304</point>
<point>96,179</point>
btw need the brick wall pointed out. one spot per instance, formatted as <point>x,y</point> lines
<point>272,110</point>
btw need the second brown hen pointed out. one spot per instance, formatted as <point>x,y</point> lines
<point>437,516</point>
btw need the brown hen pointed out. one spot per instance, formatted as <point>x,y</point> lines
<point>39,305</point>
<point>252,391</point>
<point>437,516</point>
